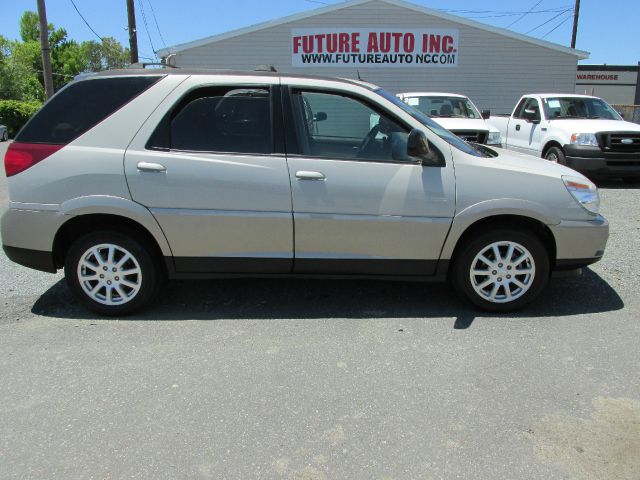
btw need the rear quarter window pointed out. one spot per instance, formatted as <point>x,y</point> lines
<point>81,106</point>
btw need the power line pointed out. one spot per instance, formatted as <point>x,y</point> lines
<point>506,12</point>
<point>550,20</point>
<point>557,26</point>
<point>502,15</point>
<point>53,73</point>
<point>146,27</point>
<point>524,14</point>
<point>85,20</point>
<point>112,47</point>
<point>156,22</point>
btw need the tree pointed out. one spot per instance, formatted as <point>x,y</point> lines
<point>21,60</point>
<point>18,80</point>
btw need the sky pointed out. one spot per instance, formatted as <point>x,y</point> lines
<point>608,29</point>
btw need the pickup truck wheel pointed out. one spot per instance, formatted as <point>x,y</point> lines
<point>111,273</point>
<point>555,154</point>
<point>502,270</point>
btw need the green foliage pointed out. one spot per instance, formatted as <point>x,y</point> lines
<point>30,27</point>
<point>14,114</point>
<point>21,60</point>
<point>18,80</point>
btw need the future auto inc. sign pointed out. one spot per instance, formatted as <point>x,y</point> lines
<point>380,47</point>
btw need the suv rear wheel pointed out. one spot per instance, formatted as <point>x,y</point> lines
<point>502,270</point>
<point>112,273</point>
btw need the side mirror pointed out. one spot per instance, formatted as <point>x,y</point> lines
<point>419,151</point>
<point>621,114</point>
<point>486,114</point>
<point>320,117</point>
<point>531,115</point>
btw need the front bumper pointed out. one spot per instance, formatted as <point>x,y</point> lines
<point>593,160</point>
<point>580,242</point>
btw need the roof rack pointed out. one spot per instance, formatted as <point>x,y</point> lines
<point>144,65</point>
<point>265,68</point>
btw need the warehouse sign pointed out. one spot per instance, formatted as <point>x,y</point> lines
<point>380,47</point>
<point>627,78</point>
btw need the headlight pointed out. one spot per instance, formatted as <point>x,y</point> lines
<point>584,192</point>
<point>494,138</point>
<point>584,139</point>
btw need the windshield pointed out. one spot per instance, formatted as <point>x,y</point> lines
<point>443,133</point>
<point>556,108</point>
<point>446,107</point>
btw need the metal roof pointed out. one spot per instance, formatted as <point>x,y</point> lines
<point>398,3</point>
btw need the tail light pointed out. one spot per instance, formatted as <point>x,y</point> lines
<point>21,156</point>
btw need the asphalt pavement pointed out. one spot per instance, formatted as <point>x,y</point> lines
<point>293,379</point>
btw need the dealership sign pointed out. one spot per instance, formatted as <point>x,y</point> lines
<point>380,47</point>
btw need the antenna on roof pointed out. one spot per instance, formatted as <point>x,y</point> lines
<point>358,72</point>
<point>265,68</point>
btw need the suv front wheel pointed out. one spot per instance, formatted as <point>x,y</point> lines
<point>501,270</point>
<point>112,273</point>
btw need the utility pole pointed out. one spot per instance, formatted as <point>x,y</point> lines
<point>133,35</point>
<point>46,50</point>
<point>576,14</point>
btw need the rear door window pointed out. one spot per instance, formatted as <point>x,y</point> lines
<point>218,119</point>
<point>80,106</point>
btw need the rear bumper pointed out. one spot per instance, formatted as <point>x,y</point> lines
<point>594,161</point>
<point>580,242</point>
<point>27,237</point>
<point>36,259</point>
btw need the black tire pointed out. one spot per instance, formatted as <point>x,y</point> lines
<point>555,154</point>
<point>5,136</point>
<point>147,283</point>
<point>466,257</point>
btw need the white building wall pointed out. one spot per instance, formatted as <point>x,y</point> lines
<point>493,70</point>
<point>614,94</point>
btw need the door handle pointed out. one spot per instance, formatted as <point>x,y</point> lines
<point>151,167</point>
<point>308,175</point>
<point>518,127</point>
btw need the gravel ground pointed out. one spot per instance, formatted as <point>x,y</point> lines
<point>327,380</point>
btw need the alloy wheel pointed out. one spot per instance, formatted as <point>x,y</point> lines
<point>109,274</point>
<point>502,272</point>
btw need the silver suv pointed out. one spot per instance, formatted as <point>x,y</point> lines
<point>127,178</point>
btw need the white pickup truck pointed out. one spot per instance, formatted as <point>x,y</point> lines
<point>582,132</point>
<point>457,114</point>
